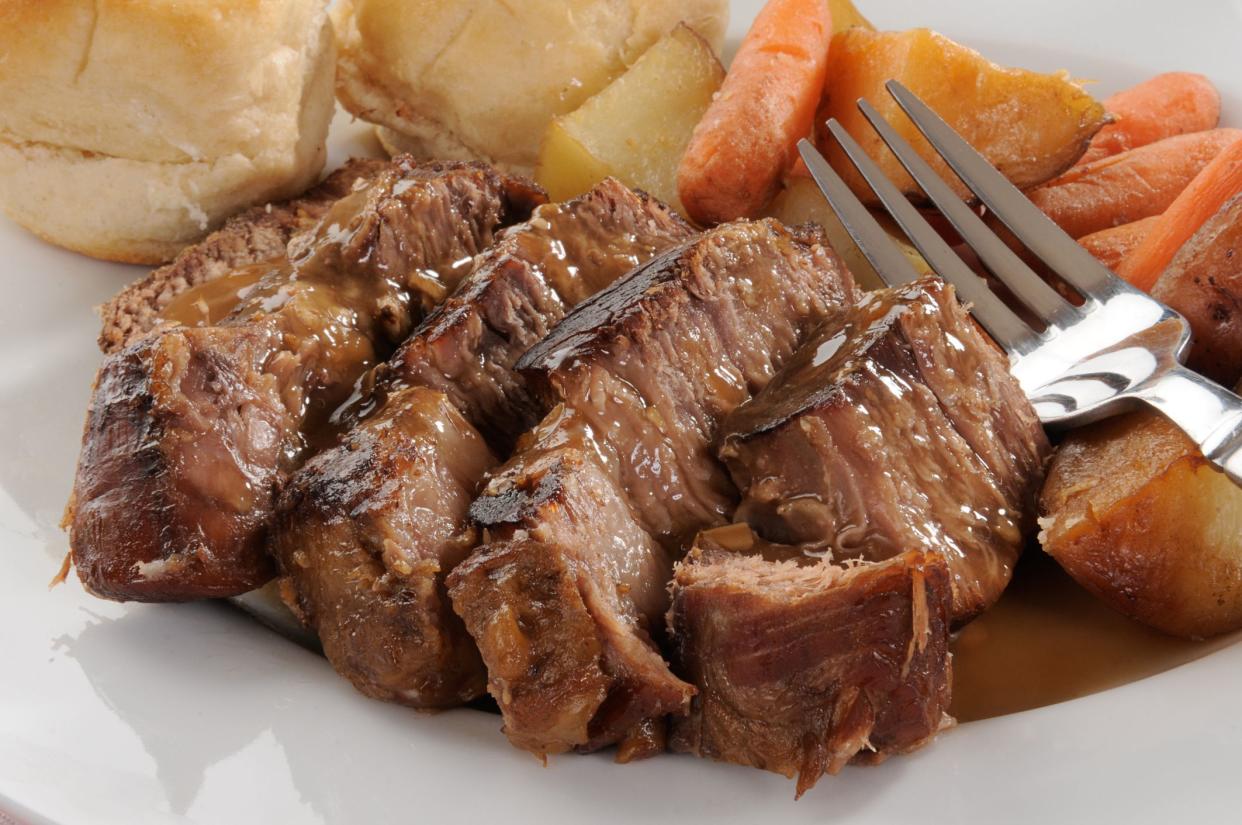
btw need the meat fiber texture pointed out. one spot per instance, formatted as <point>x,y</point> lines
<point>192,430</point>
<point>889,469</point>
<point>367,531</point>
<point>802,666</point>
<point>584,522</point>
<point>897,427</point>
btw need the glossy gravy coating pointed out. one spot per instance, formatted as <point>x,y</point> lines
<point>1046,641</point>
<point>328,318</point>
<point>210,302</point>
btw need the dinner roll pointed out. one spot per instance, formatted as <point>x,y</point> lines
<point>481,79</point>
<point>130,128</point>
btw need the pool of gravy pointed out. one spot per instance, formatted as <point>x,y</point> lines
<point>1048,640</point>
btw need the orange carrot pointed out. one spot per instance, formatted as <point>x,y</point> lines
<point>1175,103</point>
<point>1132,185</point>
<point>1110,246</point>
<point>1219,181</point>
<point>746,140</point>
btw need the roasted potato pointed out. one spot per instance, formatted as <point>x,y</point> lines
<point>802,202</point>
<point>846,16</point>
<point>637,128</point>
<point>1031,126</point>
<point>1204,283</point>
<point>1136,514</point>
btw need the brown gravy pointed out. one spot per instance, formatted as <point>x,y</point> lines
<point>209,302</point>
<point>1047,640</point>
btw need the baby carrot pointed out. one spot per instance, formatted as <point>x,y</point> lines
<point>1129,186</point>
<point>1110,246</point>
<point>1175,103</point>
<point>1219,181</point>
<point>746,140</point>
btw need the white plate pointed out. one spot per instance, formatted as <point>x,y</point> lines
<point>146,713</point>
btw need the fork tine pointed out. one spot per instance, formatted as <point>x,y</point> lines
<point>890,264</point>
<point>1025,220</point>
<point>1010,331</point>
<point>1000,260</point>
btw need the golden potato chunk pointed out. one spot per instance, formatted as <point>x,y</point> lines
<point>1204,283</point>
<point>1030,126</point>
<point>1137,515</point>
<point>637,128</point>
<point>846,16</point>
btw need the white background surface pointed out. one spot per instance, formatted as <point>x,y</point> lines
<point>141,713</point>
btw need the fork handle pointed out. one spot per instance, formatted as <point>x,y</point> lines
<point>1210,414</point>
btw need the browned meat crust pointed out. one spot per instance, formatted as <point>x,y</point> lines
<point>197,427</point>
<point>1204,283</point>
<point>517,293</point>
<point>897,427</point>
<point>367,531</point>
<point>564,658</point>
<point>561,601</point>
<point>254,236</point>
<point>801,668</point>
<point>180,441</point>
<point>601,496</point>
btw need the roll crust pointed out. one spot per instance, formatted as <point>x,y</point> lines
<point>132,127</point>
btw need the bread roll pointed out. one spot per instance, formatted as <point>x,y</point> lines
<point>481,79</point>
<point>131,128</point>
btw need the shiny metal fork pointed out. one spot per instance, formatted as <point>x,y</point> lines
<point>1118,350</point>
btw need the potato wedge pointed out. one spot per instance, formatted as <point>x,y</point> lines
<point>637,128</point>
<point>1030,126</point>
<point>802,202</point>
<point>1137,516</point>
<point>1204,283</point>
<point>846,16</point>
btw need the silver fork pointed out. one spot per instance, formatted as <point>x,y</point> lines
<point>1119,350</point>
